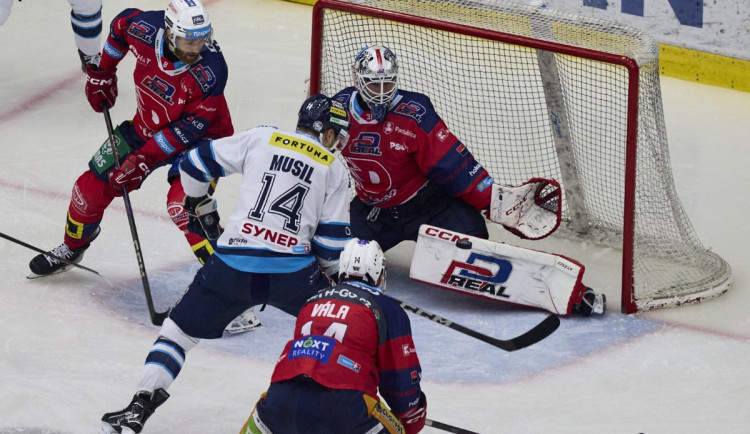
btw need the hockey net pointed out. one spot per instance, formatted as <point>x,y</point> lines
<point>540,93</point>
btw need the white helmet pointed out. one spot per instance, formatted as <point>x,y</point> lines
<point>375,73</point>
<point>187,19</point>
<point>363,260</point>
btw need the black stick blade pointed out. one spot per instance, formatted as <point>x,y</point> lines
<point>541,331</point>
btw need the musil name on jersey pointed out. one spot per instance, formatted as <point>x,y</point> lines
<point>298,168</point>
<point>269,235</point>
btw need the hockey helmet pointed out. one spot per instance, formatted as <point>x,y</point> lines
<point>375,73</point>
<point>188,23</point>
<point>364,261</point>
<point>320,113</point>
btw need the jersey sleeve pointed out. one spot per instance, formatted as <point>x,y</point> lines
<point>400,371</point>
<point>445,160</point>
<point>333,230</point>
<point>116,45</point>
<point>213,159</point>
<point>206,109</point>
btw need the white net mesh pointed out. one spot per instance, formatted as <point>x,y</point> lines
<point>520,86</point>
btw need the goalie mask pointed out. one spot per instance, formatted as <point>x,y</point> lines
<point>363,261</point>
<point>320,113</point>
<point>189,27</point>
<point>375,74</point>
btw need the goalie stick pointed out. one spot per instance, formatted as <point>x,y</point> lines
<point>157,318</point>
<point>536,334</point>
<point>446,427</point>
<point>36,249</point>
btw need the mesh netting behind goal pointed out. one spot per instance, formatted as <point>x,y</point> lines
<point>538,93</point>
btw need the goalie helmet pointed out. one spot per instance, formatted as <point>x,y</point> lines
<point>375,72</point>
<point>189,24</point>
<point>320,113</point>
<point>364,261</point>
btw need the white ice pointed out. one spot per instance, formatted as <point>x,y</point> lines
<point>72,346</point>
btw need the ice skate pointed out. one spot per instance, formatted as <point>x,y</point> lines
<point>45,265</point>
<point>132,418</point>
<point>591,303</point>
<point>92,60</point>
<point>245,322</point>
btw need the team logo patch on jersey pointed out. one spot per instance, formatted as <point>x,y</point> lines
<point>411,109</point>
<point>143,31</point>
<point>159,87</point>
<point>296,144</point>
<point>388,128</point>
<point>415,377</point>
<point>204,76</point>
<point>348,363</point>
<point>366,143</point>
<point>484,278</point>
<point>316,347</point>
<point>486,182</point>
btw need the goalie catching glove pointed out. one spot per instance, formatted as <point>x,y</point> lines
<point>203,216</point>
<point>530,210</point>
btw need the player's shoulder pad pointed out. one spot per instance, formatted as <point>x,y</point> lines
<point>416,106</point>
<point>344,95</point>
<point>130,13</point>
<point>211,71</point>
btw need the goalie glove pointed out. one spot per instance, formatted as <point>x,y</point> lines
<point>203,216</point>
<point>530,210</point>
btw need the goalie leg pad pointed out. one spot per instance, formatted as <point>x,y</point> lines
<point>497,271</point>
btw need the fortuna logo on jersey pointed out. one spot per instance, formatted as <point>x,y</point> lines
<point>366,143</point>
<point>160,88</point>
<point>474,277</point>
<point>143,31</point>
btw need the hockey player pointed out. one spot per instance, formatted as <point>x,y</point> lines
<point>350,342</point>
<point>291,220</point>
<point>179,77</point>
<point>86,19</point>
<point>409,169</point>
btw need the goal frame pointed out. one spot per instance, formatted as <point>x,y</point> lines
<point>628,304</point>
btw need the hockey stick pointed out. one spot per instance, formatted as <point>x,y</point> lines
<point>446,427</point>
<point>539,332</point>
<point>157,318</point>
<point>36,249</point>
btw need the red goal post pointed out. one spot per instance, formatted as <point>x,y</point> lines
<point>540,93</point>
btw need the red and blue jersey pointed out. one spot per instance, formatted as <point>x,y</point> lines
<point>353,337</point>
<point>178,104</point>
<point>391,161</point>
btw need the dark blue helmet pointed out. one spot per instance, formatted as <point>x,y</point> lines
<point>320,113</point>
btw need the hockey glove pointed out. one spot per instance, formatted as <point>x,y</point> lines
<point>101,87</point>
<point>203,217</point>
<point>413,419</point>
<point>530,210</point>
<point>131,173</point>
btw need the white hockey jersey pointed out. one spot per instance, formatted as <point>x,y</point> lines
<point>293,203</point>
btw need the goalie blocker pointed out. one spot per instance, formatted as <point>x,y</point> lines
<point>502,272</point>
